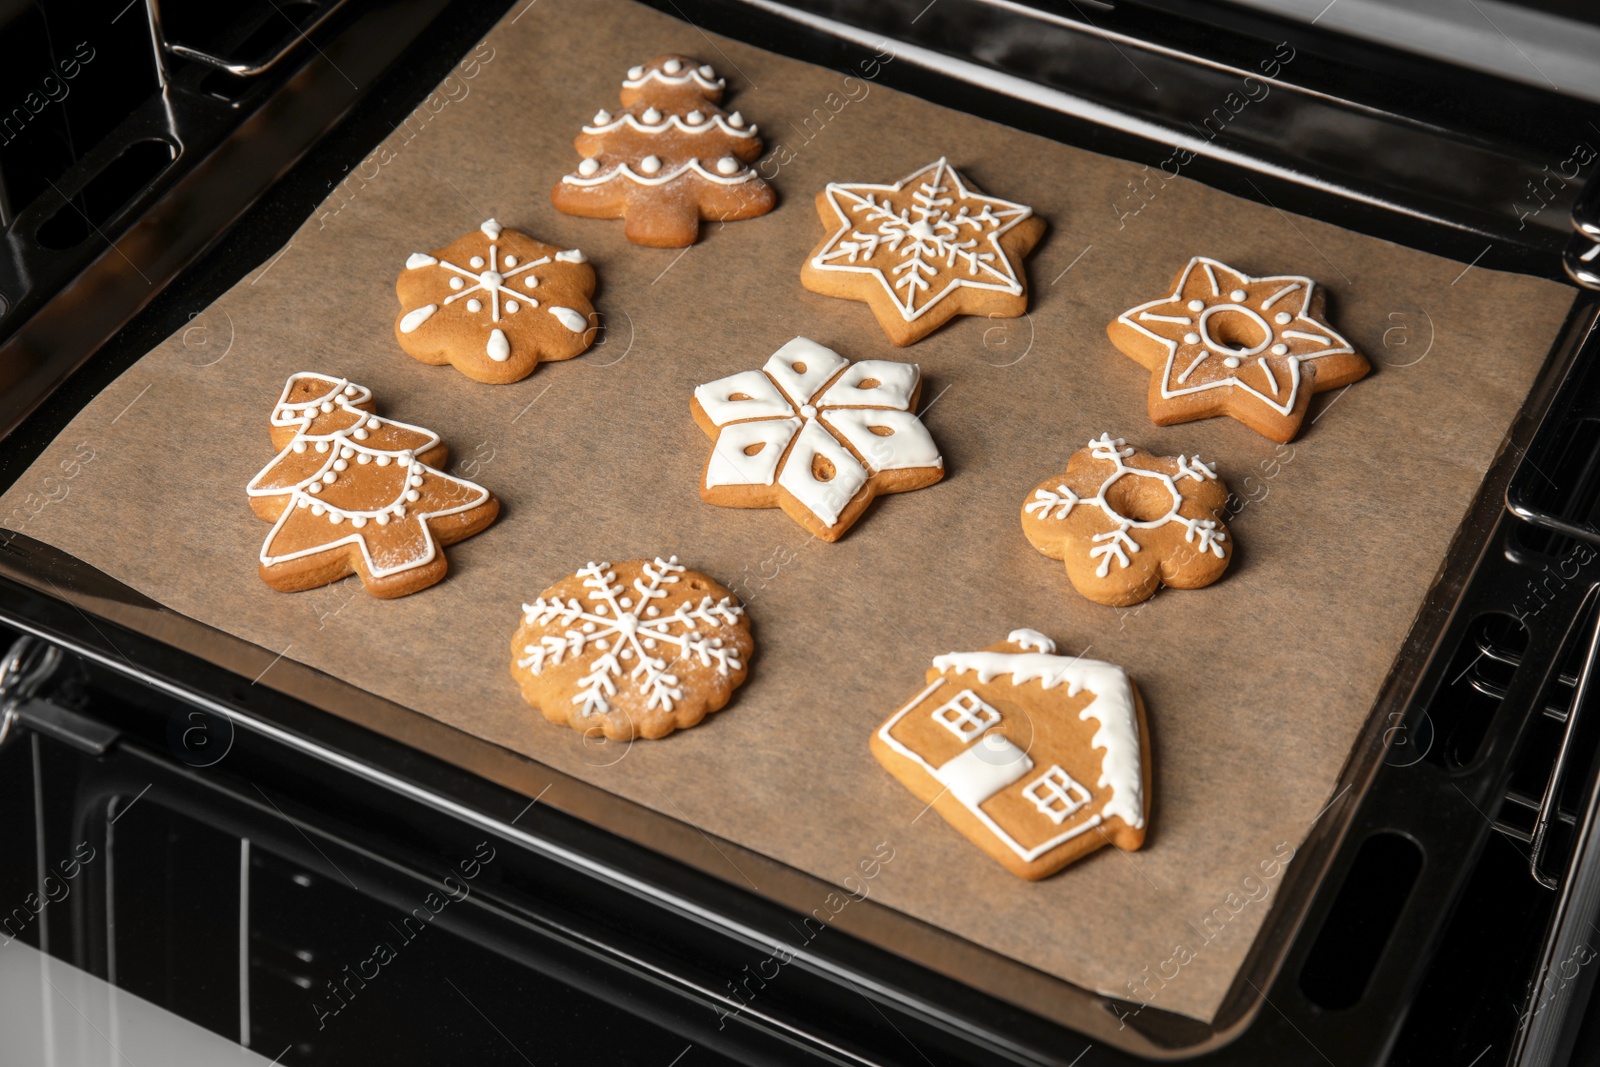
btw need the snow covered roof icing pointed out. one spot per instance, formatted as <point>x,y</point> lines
<point>1112,708</point>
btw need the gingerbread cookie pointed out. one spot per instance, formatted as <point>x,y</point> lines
<point>815,435</point>
<point>1225,343</point>
<point>352,493</point>
<point>668,159</point>
<point>494,303</point>
<point>1037,759</point>
<point>1127,522</point>
<point>638,648</point>
<point>922,251</point>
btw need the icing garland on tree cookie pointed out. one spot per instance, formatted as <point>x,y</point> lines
<point>669,159</point>
<point>816,435</point>
<point>923,250</point>
<point>1090,517</point>
<point>1224,343</point>
<point>352,493</point>
<point>639,648</point>
<point>495,303</point>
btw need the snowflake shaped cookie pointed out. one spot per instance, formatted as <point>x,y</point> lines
<point>922,251</point>
<point>815,435</point>
<point>638,648</point>
<point>1126,522</point>
<point>1225,343</point>
<point>496,303</point>
<point>352,493</point>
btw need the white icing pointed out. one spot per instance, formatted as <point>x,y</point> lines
<point>822,388</point>
<point>766,400</point>
<point>896,383</point>
<point>588,167</point>
<point>727,165</point>
<point>419,259</point>
<point>622,170</point>
<point>1112,707</point>
<point>340,446</point>
<point>491,229</point>
<point>1205,534</point>
<point>498,348</point>
<point>1241,301</point>
<point>983,769</point>
<point>731,465</point>
<point>967,715</point>
<point>570,319</point>
<point>824,499</point>
<point>650,164</point>
<point>1056,794</point>
<point>412,319</point>
<point>570,255</point>
<point>638,77</point>
<point>903,447</point>
<point>942,233</point>
<point>1031,639</point>
<point>605,618</point>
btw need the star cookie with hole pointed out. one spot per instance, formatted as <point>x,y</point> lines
<point>495,304</point>
<point>1225,343</point>
<point>1036,758</point>
<point>1126,522</point>
<point>353,493</point>
<point>815,435</point>
<point>922,251</point>
<point>637,648</point>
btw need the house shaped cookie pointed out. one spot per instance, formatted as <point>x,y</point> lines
<point>1038,759</point>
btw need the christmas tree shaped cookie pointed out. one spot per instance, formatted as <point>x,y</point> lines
<point>668,159</point>
<point>352,493</point>
<point>495,304</point>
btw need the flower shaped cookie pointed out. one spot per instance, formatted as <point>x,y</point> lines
<point>815,435</point>
<point>495,303</point>
<point>1126,522</point>
<point>1227,344</point>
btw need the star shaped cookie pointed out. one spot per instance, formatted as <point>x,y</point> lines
<point>815,435</point>
<point>922,251</point>
<point>1224,343</point>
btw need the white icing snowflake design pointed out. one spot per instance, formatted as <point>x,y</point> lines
<point>808,410</point>
<point>940,234</point>
<point>626,635</point>
<point>1205,534</point>
<point>488,279</point>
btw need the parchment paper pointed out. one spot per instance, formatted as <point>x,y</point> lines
<point>1256,687</point>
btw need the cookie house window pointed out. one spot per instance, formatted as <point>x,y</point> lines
<point>966,715</point>
<point>1056,794</point>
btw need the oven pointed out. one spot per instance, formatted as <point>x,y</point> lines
<point>196,865</point>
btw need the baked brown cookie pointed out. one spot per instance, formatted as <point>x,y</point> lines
<point>815,435</point>
<point>1127,522</point>
<point>1037,759</point>
<point>638,648</point>
<point>922,251</point>
<point>1224,343</point>
<point>668,159</point>
<point>495,303</point>
<point>353,493</point>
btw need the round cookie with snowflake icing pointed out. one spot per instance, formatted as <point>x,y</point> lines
<point>637,648</point>
<point>1126,522</point>
<point>922,250</point>
<point>495,304</point>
